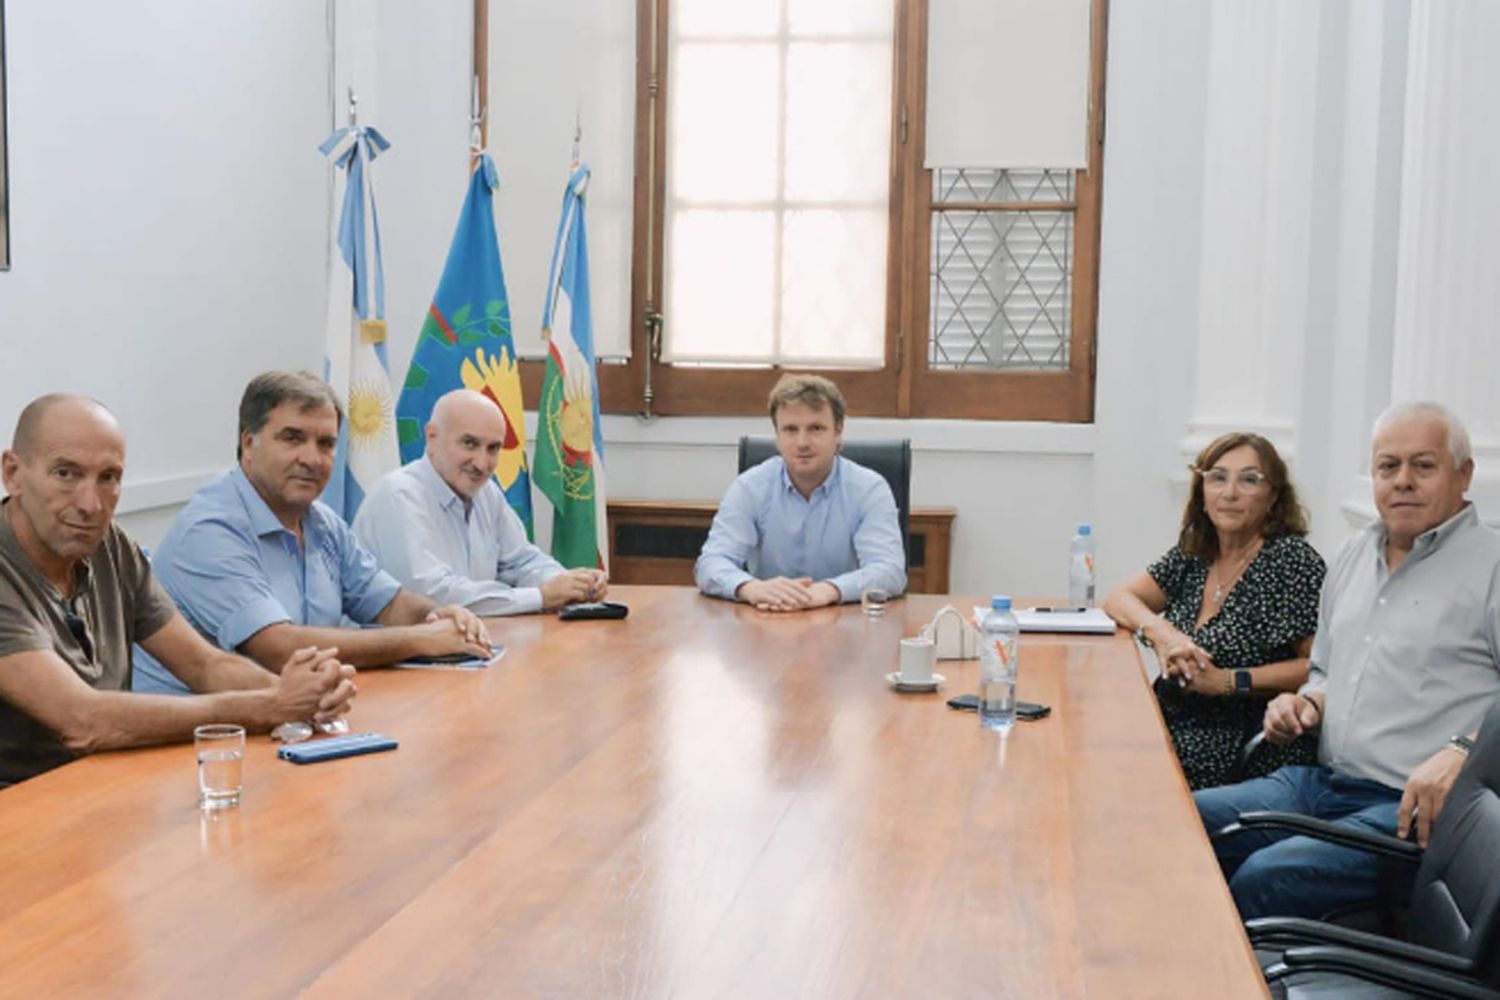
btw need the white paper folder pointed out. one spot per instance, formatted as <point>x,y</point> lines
<point>1092,621</point>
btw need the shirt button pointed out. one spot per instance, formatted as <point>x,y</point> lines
<point>1369,638</point>
<point>1382,600</point>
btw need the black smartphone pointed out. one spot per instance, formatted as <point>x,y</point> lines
<point>597,609</point>
<point>1024,709</point>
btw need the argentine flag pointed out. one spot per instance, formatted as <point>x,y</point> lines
<point>354,361</point>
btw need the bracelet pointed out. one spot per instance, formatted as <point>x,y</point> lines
<point>1462,744</point>
<point>1142,638</point>
<point>1316,707</point>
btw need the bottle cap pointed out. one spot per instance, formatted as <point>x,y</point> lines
<point>999,603</point>
<point>1084,529</point>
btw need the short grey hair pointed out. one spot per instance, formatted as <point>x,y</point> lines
<point>269,390</point>
<point>1458,435</point>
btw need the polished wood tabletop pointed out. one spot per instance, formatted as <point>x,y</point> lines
<point>699,801</point>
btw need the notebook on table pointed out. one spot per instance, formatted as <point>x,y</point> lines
<point>1091,621</point>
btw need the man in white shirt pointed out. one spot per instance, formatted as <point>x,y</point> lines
<point>443,528</point>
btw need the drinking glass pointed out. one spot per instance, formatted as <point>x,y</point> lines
<point>873,601</point>
<point>221,758</point>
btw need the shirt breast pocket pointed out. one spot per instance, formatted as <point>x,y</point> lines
<point>325,591</point>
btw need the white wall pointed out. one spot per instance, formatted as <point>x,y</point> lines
<point>169,208</point>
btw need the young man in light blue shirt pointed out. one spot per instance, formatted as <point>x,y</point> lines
<point>256,564</point>
<point>807,528</point>
<point>442,526</point>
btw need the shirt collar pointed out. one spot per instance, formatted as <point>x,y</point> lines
<point>824,488</point>
<point>437,489</point>
<point>83,570</point>
<point>263,520</point>
<point>1432,538</point>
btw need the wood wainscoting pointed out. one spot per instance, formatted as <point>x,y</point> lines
<point>657,541</point>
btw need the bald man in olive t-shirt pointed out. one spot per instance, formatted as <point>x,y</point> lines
<point>116,603</point>
<point>75,592</point>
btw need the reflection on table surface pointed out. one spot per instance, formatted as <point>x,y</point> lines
<point>699,800</point>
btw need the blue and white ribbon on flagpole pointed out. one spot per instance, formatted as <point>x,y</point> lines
<point>355,362</point>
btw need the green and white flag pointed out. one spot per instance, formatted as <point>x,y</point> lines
<point>569,463</point>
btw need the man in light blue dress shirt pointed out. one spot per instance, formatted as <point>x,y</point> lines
<point>257,565</point>
<point>442,526</point>
<point>806,528</point>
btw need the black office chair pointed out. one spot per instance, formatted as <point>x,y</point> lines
<point>892,459</point>
<point>1454,915</point>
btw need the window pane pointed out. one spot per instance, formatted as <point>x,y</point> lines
<point>992,185</point>
<point>720,286</point>
<point>842,17</point>
<point>1001,290</point>
<point>723,123</point>
<point>689,18</point>
<point>833,287</point>
<point>838,122</point>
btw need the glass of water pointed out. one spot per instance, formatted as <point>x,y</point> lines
<point>873,600</point>
<point>221,758</point>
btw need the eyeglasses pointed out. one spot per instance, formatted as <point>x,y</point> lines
<point>80,632</point>
<point>1218,479</point>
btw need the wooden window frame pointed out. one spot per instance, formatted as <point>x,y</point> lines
<point>905,386</point>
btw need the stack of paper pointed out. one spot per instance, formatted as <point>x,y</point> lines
<point>1090,620</point>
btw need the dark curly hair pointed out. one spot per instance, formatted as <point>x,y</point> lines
<point>1199,538</point>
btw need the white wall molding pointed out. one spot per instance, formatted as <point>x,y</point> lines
<point>165,491</point>
<point>1349,382</point>
<point>1447,298</point>
<point>1259,143</point>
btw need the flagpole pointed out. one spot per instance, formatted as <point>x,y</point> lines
<point>481,76</point>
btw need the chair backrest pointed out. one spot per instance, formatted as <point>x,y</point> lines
<point>1455,904</point>
<point>891,458</point>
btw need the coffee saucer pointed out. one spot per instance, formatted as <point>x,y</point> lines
<point>895,681</point>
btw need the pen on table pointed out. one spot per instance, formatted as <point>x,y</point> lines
<point>1061,611</point>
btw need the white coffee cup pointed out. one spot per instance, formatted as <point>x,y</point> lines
<point>918,660</point>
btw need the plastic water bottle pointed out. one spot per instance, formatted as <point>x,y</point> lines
<point>999,656</point>
<point>1081,568</point>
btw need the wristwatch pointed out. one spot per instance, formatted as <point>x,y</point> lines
<point>1242,682</point>
<point>1462,744</point>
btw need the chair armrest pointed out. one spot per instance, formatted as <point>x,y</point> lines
<point>1307,826</point>
<point>1293,932</point>
<point>1381,970</point>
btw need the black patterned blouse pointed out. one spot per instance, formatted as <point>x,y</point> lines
<point>1271,608</point>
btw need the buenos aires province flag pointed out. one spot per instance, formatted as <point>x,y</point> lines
<point>466,342</point>
<point>569,465</point>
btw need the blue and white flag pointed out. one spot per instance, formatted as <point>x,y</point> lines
<point>354,361</point>
<point>569,465</point>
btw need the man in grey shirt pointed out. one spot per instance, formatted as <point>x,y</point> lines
<point>1405,664</point>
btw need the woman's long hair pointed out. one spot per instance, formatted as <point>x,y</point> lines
<point>1199,538</point>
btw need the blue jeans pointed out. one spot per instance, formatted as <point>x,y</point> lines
<point>1276,874</point>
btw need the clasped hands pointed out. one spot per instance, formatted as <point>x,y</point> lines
<point>1186,663</point>
<point>314,685</point>
<point>573,587</point>
<point>456,629</point>
<point>782,593</point>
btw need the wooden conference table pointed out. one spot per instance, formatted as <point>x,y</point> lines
<point>699,801</point>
